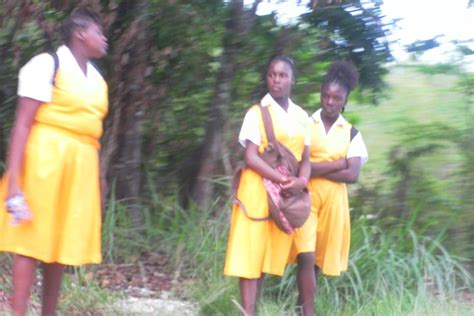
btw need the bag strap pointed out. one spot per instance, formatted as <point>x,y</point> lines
<point>56,65</point>
<point>243,209</point>
<point>354,132</point>
<point>236,200</point>
<point>236,179</point>
<point>267,122</point>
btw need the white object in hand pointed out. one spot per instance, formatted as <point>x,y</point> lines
<point>17,207</point>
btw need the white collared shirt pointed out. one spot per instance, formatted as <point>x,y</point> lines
<point>36,77</point>
<point>250,129</point>
<point>357,146</point>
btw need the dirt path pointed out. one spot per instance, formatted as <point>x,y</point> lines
<point>145,283</point>
<point>154,306</point>
<point>128,306</point>
<point>147,286</point>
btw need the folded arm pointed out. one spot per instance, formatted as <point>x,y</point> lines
<point>347,175</point>
<point>323,168</point>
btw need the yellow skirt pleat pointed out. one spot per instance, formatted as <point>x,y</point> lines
<point>60,180</point>
<point>331,207</point>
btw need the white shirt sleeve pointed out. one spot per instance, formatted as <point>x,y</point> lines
<point>35,78</point>
<point>357,148</point>
<point>250,130</point>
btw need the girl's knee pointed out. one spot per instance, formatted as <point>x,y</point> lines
<point>306,259</point>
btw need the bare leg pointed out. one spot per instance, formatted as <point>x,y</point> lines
<point>306,282</point>
<point>259,290</point>
<point>52,276</point>
<point>23,276</point>
<point>249,291</point>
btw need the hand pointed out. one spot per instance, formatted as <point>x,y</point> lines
<point>18,208</point>
<point>15,203</point>
<point>293,185</point>
<point>284,180</point>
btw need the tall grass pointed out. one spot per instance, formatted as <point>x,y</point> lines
<point>393,270</point>
<point>81,296</point>
<point>394,265</point>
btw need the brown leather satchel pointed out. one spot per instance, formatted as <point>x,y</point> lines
<point>288,211</point>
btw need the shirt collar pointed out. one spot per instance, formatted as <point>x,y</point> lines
<point>64,52</point>
<point>268,100</point>
<point>341,121</point>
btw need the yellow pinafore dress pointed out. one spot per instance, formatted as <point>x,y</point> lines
<point>60,176</point>
<point>256,247</point>
<point>330,199</point>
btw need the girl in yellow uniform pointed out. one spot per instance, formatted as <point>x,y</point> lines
<point>258,247</point>
<point>337,153</point>
<point>51,186</point>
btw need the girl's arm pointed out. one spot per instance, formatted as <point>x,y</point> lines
<point>323,168</point>
<point>347,175</point>
<point>300,182</point>
<point>253,161</point>
<point>25,114</point>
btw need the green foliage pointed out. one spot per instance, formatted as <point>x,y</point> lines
<point>5,264</point>
<point>438,69</point>
<point>420,146</point>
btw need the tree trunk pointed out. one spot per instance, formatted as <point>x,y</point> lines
<point>122,154</point>
<point>238,23</point>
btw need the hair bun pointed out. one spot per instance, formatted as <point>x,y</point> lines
<point>345,72</point>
